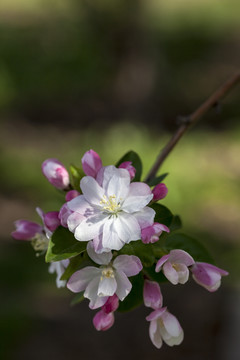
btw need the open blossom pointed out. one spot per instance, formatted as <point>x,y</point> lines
<point>91,163</point>
<point>164,327</point>
<point>109,279</point>
<point>175,266</point>
<point>152,295</point>
<point>59,267</point>
<point>207,275</point>
<point>111,214</point>
<point>151,233</point>
<point>56,173</point>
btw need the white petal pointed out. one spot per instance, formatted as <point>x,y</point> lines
<point>138,197</point>
<point>107,287</point>
<point>118,185</point>
<point>183,273</point>
<point>90,227</point>
<point>181,257</point>
<point>145,217</point>
<point>171,324</point>
<point>170,273</point>
<point>73,220</point>
<point>92,191</point>
<point>91,294</point>
<point>111,239</point>
<point>155,334</point>
<point>110,171</point>
<point>129,264</point>
<point>102,259</point>
<point>81,206</point>
<point>127,227</point>
<point>81,278</point>
<point>98,246</point>
<point>124,286</point>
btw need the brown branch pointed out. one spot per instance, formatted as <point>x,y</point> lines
<point>191,120</point>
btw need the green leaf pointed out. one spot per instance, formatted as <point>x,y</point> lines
<point>63,245</point>
<point>136,162</point>
<point>176,223</point>
<point>76,263</point>
<point>135,297</point>
<point>159,277</point>
<point>76,175</point>
<point>143,251</point>
<point>77,299</point>
<point>190,245</point>
<point>157,180</point>
<point>163,214</point>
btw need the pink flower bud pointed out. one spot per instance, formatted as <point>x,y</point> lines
<point>26,230</point>
<point>55,173</point>
<point>91,163</point>
<point>103,321</point>
<point>111,304</point>
<point>152,295</point>
<point>64,213</point>
<point>159,192</point>
<point>51,220</point>
<point>71,195</point>
<point>151,233</point>
<point>207,275</point>
<point>128,166</point>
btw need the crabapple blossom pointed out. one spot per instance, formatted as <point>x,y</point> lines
<point>151,233</point>
<point>152,295</point>
<point>175,266</point>
<point>112,214</point>
<point>91,163</point>
<point>109,279</point>
<point>56,173</point>
<point>59,267</point>
<point>164,327</point>
<point>128,166</point>
<point>159,192</point>
<point>207,275</point>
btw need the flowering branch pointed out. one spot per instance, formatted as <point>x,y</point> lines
<point>187,121</point>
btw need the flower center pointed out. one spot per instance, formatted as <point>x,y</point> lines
<point>107,273</point>
<point>40,243</point>
<point>110,204</point>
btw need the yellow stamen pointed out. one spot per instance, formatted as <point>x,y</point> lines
<point>110,203</point>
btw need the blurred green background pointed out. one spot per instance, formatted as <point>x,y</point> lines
<point>113,76</point>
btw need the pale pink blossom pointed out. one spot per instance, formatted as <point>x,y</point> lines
<point>164,327</point>
<point>56,173</point>
<point>152,295</point>
<point>175,266</point>
<point>159,192</point>
<point>102,321</point>
<point>59,267</point>
<point>128,166</point>
<point>207,275</point>
<point>112,214</point>
<point>151,233</point>
<point>110,278</point>
<point>91,163</point>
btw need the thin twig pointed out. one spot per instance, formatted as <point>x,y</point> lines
<point>191,120</point>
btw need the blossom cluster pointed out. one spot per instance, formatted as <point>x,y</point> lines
<point>111,230</point>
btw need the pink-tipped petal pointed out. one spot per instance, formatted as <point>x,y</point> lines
<point>128,166</point>
<point>81,278</point>
<point>91,163</point>
<point>154,315</point>
<point>103,258</point>
<point>152,295</point>
<point>161,261</point>
<point>208,275</point>
<point>103,321</point>
<point>129,264</point>
<point>181,257</point>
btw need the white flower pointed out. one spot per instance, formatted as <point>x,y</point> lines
<point>112,213</point>
<point>59,267</point>
<point>109,279</point>
<point>164,326</point>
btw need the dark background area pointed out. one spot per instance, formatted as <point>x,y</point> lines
<point>114,76</point>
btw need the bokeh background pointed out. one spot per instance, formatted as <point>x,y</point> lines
<point>113,75</point>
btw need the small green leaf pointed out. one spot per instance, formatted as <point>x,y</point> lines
<point>76,263</point>
<point>77,299</point>
<point>76,175</point>
<point>190,245</point>
<point>176,223</point>
<point>143,251</point>
<point>159,277</point>
<point>135,297</point>
<point>157,180</point>
<point>163,214</point>
<point>63,245</point>
<point>136,162</point>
